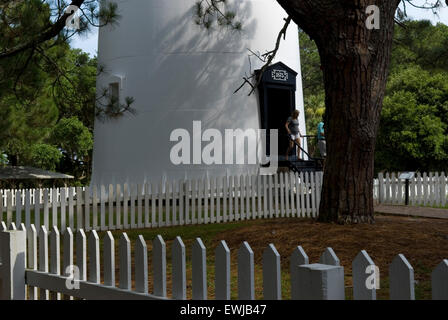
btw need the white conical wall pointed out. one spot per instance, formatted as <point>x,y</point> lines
<point>178,73</point>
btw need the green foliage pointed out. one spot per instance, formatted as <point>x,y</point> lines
<point>45,156</point>
<point>72,137</point>
<point>413,132</point>
<point>75,141</point>
<point>312,79</point>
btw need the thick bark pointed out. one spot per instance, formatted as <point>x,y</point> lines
<point>355,63</point>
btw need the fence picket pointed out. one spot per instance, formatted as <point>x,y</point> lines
<point>213,194</point>
<point>272,289</point>
<point>32,258</point>
<point>94,257</point>
<point>118,198</point>
<point>46,201</point>
<point>111,207</point>
<point>154,222</point>
<point>254,193</point>
<point>236,198</point>
<point>160,204</point>
<point>441,191</point>
<point>302,194</point>
<point>67,256</point>
<point>206,195</point>
<point>43,258</point>
<point>141,265</point>
<point>199,266</point>
<point>271,186</point>
<point>401,279</point>
<point>8,208</point>
<point>175,194</point>
<point>109,259</point>
<point>247,195</point>
<point>95,208</point>
<point>179,278</point>
<point>419,188</point>
<point>276,196</point>
<point>81,254</point>
<point>222,271</point>
<point>167,204</point>
<point>292,181</point>
<point>246,282</point>
<point>439,281</point>
<point>63,209</point>
<point>146,222</point>
<point>259,211</point>
<point>329,257</point>
<point>133,190</point>
<point>140,190</point>
<point>55,259</point>
<point>125,261</point>
<point>313,195</point>
<point>425,188</point>
<point>437,192</point>
<point>218,216</point>
<point>102,208</point>
<point>282,194</point>
<point>125,206</point>
<point>87,202</point>
<point>298,257</point>
<point>360,273</point>
<point>79,201</point>
<point>231,194</point>
<point>159,266</point>
<point>18,207</point>
<point>225,189</point>
<point>181,202</point>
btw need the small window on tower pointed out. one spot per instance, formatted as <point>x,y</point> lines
<point>114,93</point>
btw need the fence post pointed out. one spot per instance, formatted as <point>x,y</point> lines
<point>13,251</point>
<point>320,282</point>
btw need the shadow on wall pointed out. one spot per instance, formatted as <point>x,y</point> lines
<point>201,69</point>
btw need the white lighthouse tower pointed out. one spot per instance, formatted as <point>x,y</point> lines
<point>178,73</point>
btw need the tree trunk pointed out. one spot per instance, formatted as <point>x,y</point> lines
<point>355,62</point>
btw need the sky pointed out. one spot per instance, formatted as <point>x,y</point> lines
<point>89,43</point>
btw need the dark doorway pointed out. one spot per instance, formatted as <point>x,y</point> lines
<point>277,101</point>
<point>279,108</point>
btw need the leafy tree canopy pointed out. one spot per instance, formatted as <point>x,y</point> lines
<point>413,131</point>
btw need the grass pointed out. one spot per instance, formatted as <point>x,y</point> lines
<point>423,241</point>
<point>418,239</point>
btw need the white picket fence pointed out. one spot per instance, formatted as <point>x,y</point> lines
<point>31,264</point>
<point>427,189</point>
<point>151,205</point>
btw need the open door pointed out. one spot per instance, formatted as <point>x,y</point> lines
<point>277,101</point>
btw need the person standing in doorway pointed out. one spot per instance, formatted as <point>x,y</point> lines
<point>292,127</point>
<point>321,141</point>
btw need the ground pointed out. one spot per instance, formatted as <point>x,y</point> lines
<point>423,241</point>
